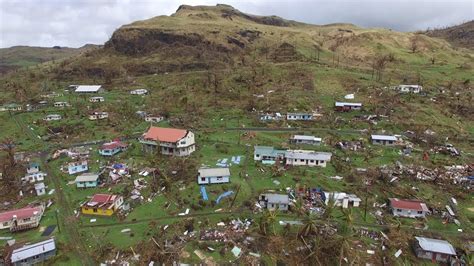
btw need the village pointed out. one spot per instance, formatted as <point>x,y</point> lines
<point>198,194</point>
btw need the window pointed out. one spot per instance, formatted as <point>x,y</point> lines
<point>95,209</point>
<point>312,161</point>
<point>301,160</point>
<point>399,210</point>
<point>203,179</point>
<point>5,224</point>
<point>420,212</point>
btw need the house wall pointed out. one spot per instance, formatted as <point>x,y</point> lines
<point>274,206</point>
<point>422,254</point>
<point>309,142</point>
<point>383,142</point>
<point>98,211</point>
<point>40,192</point>
<point>306,162</point>
<point>213,180</point>
<point>109,152</point>
<point>35,177</point>
<point>408,213</point>
<point>29,222</point>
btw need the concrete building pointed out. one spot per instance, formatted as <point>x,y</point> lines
<point>383,140</point>
<point>77,167</point>
<point>274,201</point>
<point>87,180</point>
<point>408,208</point>
<point>303,139</point>
<point>87,88</point>
<point>21,219</point>
<point>307,158</point>
<point>168,141</point>
<point>299,116</point>
<point>213,176</point>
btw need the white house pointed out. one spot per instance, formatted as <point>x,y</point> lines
<point>307,158</point>
<point>96,99</point>
<point>303,139</point>
<point>383,140</point>
<point>52,117</point>
<point>98,115</point>
<point>32,168</point>
<point>87,88</point>
<point>299,116</point>
<point>342,199</point>
<point>408,208</point>
<point>33,254</point>
<point>213,176</point>
<point>21,219</point>
<point>139,92</point>
<point>272,202</point>
<point>169,141</point>
<point>409,88</point>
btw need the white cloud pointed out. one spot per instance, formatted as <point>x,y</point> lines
<point>77,22</point>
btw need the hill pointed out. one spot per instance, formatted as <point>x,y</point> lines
<point>21,56</point>
<point>460,35</point>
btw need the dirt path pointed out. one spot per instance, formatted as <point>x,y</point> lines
<point>68,222</point>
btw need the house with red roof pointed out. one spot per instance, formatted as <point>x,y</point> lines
<point>102,204</point>
<point>168,141</point>
<point>112,148</point>
<point>408,208</point>
<point>21,219</point>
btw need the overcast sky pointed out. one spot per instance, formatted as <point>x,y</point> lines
<point>74,23</point>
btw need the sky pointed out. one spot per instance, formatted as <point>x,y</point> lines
<point>74,23</point>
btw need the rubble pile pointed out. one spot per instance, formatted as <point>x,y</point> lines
<point>232,231</point>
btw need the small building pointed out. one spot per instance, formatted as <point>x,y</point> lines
<point>13,107</point>
<point>213,176</point>
<point>87,180</point>
<point>342,199</point>
<point>112,148</point>
<point>433,249</point>
<point>268,155</point>
<point>346,107</point>
<point>169,141</point>
<point>408,208</point>
<point>273,202</point>
<point>61,104</point>
<point>303,139</point>
<point>154,118</point>
<point>77,167</point>
<point>409,88</point>
<point>33,254</point>
<point>52,117</point>
<point>98,115</point>
<point>102,204</point>
<point>21,219</point>
<point>87,88</point>
<point>299,116</point>
<point>33,168</point>
<point>139,92</point>
<point>383,140</point>
<point>307,158</point>
<point>40,189</point>
<point>96,99</point>
<point>34,177</point>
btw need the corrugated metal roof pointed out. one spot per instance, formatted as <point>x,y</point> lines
<point>384,137</point>
<point>88,88</point>
<point>268,151</point>
<point>309,155</point>
<point>87,177</point>
<point>436,245</point>
<point>29,251</point>
<point>304,137</point>
<point>208,172</point>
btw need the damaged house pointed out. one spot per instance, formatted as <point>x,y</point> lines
<point>342,199</point>
<point>169,141</point>
<point>408,208</point>
<point>96,99</point>
<point>213,176</point>
<point>303,139</point>
<point>273,202</point>
<point>383,140</point>
<point>98,115</point>
<point>52,117</point>
<point>77,167</point>
<point>299,117</point>
<point>346,107</point>
<point>408,88</point>
<point>112,148</point>
<point>102,204</point>
<point>21,219</point>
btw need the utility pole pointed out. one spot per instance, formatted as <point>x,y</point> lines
<point>57,220</point>
<point>236,193</point>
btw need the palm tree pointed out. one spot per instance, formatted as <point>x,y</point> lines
<point>346,232</point>
<point>267,220</point>
<point>309,225</point>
